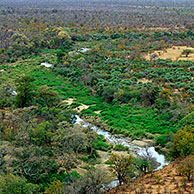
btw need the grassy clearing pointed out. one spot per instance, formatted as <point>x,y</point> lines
<point>133,121</point>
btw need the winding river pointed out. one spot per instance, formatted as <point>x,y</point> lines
<point>160,158</point>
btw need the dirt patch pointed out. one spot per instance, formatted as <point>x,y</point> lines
<point>80,170</point>
<point>69,101</point>
<point>143,142</point>
<point>140,143</point>
<point>144,80</point>
<point>82,107</point>
<point>173,53</point>
<point>104,156</point>
<point>97,112</point>
<point>79,108</point>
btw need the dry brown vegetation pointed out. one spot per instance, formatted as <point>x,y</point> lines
<point>174,53</point>
<point>166,180</point>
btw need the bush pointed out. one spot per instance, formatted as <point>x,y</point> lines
<point>143,165</point>
<point>108,93</point>
<point>162,140</point>
<point>11,184</point>
<point>42,134</point>
<point>183,144</point>
<point>24,90</point>
<point>120,147</point>
<point>99,144</point>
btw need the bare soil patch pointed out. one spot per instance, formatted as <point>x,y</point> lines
<point>82,107</point>
<point>79,108</point>
<point>144,80</point>
<point>97,112</point>
<point>69,101</point>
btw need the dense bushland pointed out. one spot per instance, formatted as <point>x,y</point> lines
<point>98,66</point>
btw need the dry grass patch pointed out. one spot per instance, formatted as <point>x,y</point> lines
<point>174,53</point>
<point>144,80</point>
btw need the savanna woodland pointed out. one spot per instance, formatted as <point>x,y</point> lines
<point>96,96</point>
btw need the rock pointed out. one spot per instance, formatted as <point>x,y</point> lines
<point>46,64</point>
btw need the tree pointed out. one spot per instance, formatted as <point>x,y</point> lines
<point>60,56</point>
<point>34,163</point>
<point>11,184</point>
<point>186,52</point>
<point>24,90</point>
<point>146,162</point>
<point>19,38</point>
<point>91,183</point>
<point>74,139</point>
<point>122,166</point>
<point>47,96</point>
<point>183,144</point>
<point>108,93</point>
<point>56,187</point>
<point>186,167</point>
<point>149,95</point>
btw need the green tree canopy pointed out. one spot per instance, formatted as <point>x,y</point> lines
<point>183,144</point>
<point>186,52</point>
<point>24,90</point>
<point>15,185</point>
<point>47,96</point>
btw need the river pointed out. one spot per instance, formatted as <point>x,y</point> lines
<point>160,158</point>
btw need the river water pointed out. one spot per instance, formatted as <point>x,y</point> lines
<point>141,151</point>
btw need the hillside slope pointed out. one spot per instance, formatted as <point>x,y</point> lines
<point>166,180</point>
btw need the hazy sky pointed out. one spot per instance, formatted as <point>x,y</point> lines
<point>47,3</point>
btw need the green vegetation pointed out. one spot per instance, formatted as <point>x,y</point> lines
<point>13,184</point>
<point>120,147</point>
<point>101,144</point>
<point>24,89</point>
<point>183,144</point>
<point>105,74</point>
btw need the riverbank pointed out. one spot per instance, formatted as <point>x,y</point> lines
<point>143,142</point>
<point>138,151</point>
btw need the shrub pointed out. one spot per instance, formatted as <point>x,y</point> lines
<point>183,144</point>
<point>120,147</point>
<point>108,93</point>
<point>25,91</point>
<point>99,144</point>
<point>162,140</point>
<point>11,184</point>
